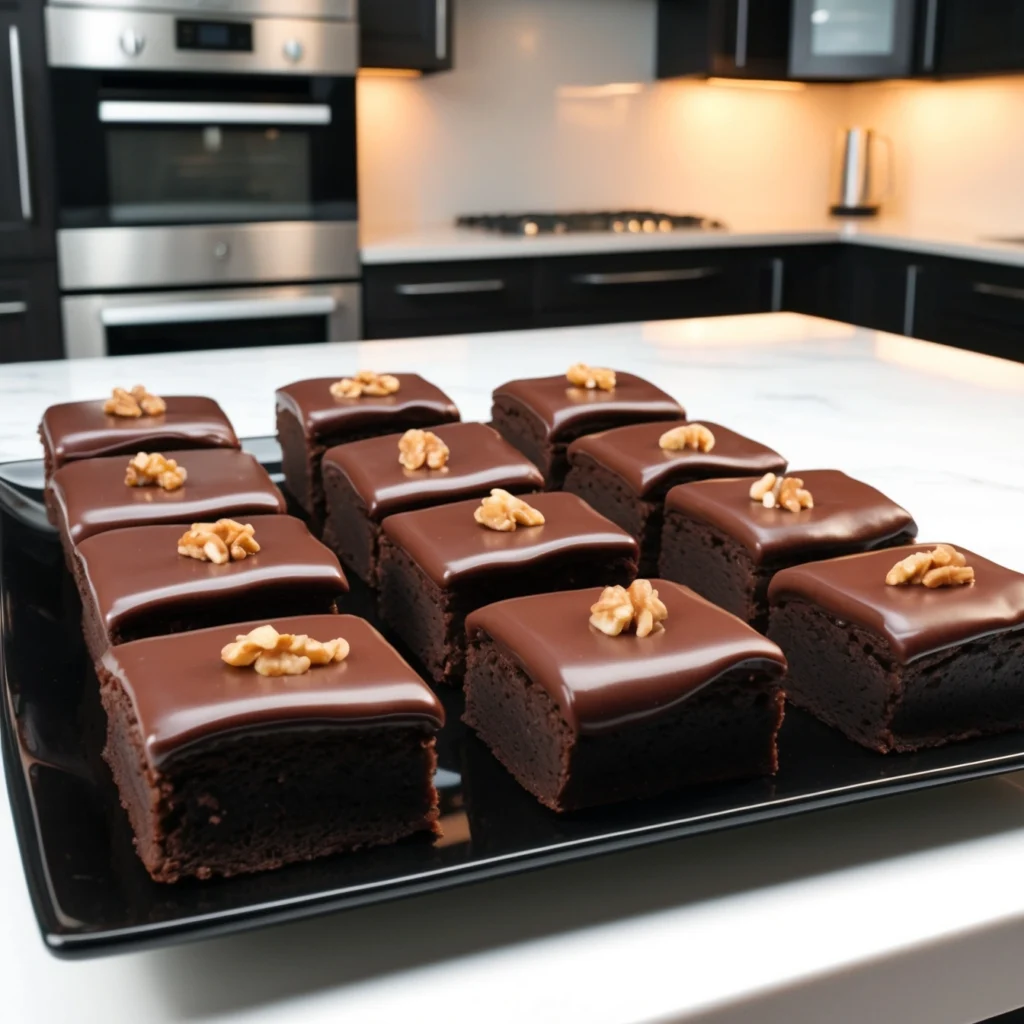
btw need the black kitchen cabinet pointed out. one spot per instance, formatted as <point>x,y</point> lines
<point>655,285</point>
<point>29,312</point>
<point>724,38</point>
<point>414,34</point>
<point>963,37</point>
<point>26,185</point>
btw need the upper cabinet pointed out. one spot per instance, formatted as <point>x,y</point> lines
<point>724,38</point>
<point>852,39</point>
<point>406,34</point>
<point>26,209</point>
<point>965,37</point>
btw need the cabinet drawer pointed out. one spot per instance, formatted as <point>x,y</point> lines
<point>29,318</point>
<point>654,286</point>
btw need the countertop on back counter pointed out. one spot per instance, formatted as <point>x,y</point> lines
<point>910,908</point>
<point>442,243</point>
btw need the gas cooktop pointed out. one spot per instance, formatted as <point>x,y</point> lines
<point>621,222</point>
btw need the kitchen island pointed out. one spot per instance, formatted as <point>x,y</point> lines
<point>910,908</point>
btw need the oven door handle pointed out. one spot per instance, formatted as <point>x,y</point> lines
<point>221,310</point>
<point>161,112</point>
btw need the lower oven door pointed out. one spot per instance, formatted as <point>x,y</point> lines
<point>182,321</point>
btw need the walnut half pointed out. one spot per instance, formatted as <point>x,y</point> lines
<point>220,542</point>
<point>419,448</point>
<point>599,378</point>
<point>786,492</point>
<point>505,512</point>
<point>153,470</point>
<point>688,435</point>
<point>943,566</point>
<point>366,383</point>
<point>620,607</point>
<point>281,654</point>
<point>134,403</point>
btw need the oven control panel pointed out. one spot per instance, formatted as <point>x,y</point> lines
<point>223,36</point>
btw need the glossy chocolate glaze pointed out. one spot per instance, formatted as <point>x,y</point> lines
<point>450,546</point>
<point>91,495</point>
<point>603,682</point>
<point>82,430</point>
<point>914,620</point>
<point>417,403</point>
<point>566,411</point>
<point>632,453</point>
<point>848,516</point>
<point>182,692</point>
<point>480,460</point>
<point>158,579</point>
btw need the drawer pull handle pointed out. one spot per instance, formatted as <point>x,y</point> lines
<point>646,276</point>
<point>450,288</point>
<point>999,291</point>
<point>13,308</point>
<point>20,125</point>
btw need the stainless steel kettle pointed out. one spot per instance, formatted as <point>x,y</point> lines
<point>859,195</point>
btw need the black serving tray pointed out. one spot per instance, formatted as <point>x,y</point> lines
<point>92,896</point>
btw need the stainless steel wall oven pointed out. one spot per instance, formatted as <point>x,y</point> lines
<point>206,172</point>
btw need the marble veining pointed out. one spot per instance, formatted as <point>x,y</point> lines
<point>937,429</point>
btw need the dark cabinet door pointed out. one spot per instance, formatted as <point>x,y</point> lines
<point>852,39</point>
<point>413,34</point>
<point>972,36</point>
<point>656,286</point>
<point>29,313</point>
<point>26,205</point>
<point>726,38</point>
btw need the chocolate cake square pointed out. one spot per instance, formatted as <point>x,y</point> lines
<point>82,430</point>
<point>364,482</point>
<point>223,770</point>
<point>625,474</point>
<point>310,419</point>
<point>134,583</point>
<point>902,667</point>
<point>438,564</point>
<point>542,415</point>
<point>90,496</point>
<point>582,718</point>
<point>727,547</point>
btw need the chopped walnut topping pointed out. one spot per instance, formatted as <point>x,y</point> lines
<point>783,492</point>
<point>366,382</point>
<point>282,654</point>
<point>419,448</point>
<point>153,470</point>
<point>505,512</point>
<point>688,435</point>
<point>600,378</point>
<point>943,566</point>
<point>220,542</point>
<point>134,403</point>
<point>618,608</point>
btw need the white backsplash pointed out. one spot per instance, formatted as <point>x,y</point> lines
<point>519,123</point>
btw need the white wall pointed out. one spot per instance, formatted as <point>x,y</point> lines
<point>514,126</point>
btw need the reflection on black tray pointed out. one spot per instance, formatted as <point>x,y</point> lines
<point>92,894</point>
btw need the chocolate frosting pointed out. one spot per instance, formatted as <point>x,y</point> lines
<point>848,516</point>
<point>182,692</point>
<point>632,453</point>
<point>449,545</point>
<point>914,620</point>
<point>138,571</point>
<point>480,460</point>
<point>417,403</point>
<point>82,430</point>
<point>92,496</point>
<point>604,682</point>
<point>566,411</point>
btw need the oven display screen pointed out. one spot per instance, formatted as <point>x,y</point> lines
<point>233,36</point>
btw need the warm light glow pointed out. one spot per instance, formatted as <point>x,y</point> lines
<point>389,73</point>
<point>763,84</point>
<point>743,331</point>
<point>599,92</point>
<point>954,363</point>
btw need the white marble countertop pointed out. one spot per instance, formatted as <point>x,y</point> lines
<point>911,908</point>
<point>442,243</point>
